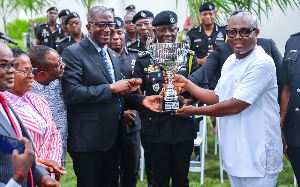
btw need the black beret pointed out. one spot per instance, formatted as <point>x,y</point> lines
<point>70,16</point>
<point>207,7</point>
<point>52,8</point>
<point>143,14</point>
<point>64,12</point>
<point>165,18</point>
<point>130,7</point>
<point>119,22</point>
<point>111,9</point>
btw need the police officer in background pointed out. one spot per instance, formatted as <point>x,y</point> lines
<point>63,31</point>
<point>130,8</point>
<point>130,34</point>
<point>143,23</point>
<point>45,31</point>
<point>73,23</point>
<point>204,38</point>
<point>130,154</point>
<point>169,138</point>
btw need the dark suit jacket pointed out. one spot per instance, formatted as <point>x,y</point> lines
<point>93,111</point>
<point>222,51</point>
<point>6,167</point>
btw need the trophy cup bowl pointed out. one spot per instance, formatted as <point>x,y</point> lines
<point>170,57</point>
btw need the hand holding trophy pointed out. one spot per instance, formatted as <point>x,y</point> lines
<point>170,57</point>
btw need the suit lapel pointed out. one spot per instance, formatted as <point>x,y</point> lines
<point>92,51</point>
<point>115,60</point>
<point>6,126</point>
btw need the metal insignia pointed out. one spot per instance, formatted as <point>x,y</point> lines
<point>220,36</point>
<point>46,40</point>
<point>155,87</point>
<point>118,23</point>
<point>143,14</point>
<point>172,20</point>
<point>210,7</point>
<point>67,12</point>
<point>75,14</point>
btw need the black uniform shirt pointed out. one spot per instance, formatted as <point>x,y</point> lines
<point>162,127</point>
<point>44,34</point>
<point>65,42</point>
<point>201,43</point>
<point>128,62</point>
<point>290,75</point>
<point>57,36</point>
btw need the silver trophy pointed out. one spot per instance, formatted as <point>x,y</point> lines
<point>170,57</point>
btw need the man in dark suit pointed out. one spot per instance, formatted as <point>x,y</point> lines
<point>11,167</point>
<point>92,89</point>
<point>203,76</point>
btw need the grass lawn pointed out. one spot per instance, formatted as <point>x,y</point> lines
<point>211,173</point>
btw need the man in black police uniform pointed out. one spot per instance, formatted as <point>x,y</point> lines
<point>130,8</point>
<point>130,28</point>
<point>290,102</point>
<point>143,22</point>
<point>45,31</point>
<point>204,38</point>
<point>73,23</point>
<point>63,31</point>
<point>169,138</point>
<point>130,154</point>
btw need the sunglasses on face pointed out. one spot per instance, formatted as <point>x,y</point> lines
<point>111,26</point>
<point>127,21</point>
<point>7,66</point>
<point>27,72</point>
<point>73,23</point>
<point>243,32</point>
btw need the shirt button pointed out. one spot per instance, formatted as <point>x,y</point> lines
<point>149,119</point>
<point>297,109</point>
<point>209,38</point>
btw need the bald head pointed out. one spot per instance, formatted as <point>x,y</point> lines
<point>5,50</point>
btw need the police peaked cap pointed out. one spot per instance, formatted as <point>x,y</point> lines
<point>70,16</point>
<point>207,7</point>
<point>143,14</point>
<point>64,12</point>
<point>165,18</point>
<point>52,8</point>
<point>130,7</point>
<point>119,23</point>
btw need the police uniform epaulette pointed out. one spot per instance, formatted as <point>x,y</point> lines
<point>43,24</point>
<point>298,33</point>
<point>143,53</point>
<point>64,39</point>
<point>131,43</point>
<point>132,50</point>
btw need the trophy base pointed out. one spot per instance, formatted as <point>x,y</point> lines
<point>171,106</point>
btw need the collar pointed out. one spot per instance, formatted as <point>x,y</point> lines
<point>97,46</point>
<point>38,85</point>
<point>19,101</point>
<point>216,28</point>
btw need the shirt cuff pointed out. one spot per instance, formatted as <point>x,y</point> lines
<point>12,183</point>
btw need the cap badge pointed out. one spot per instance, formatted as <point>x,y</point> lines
<point>67,12</point>
<point>118,23</point>
<point>172,20</point>
<point>143,14</point>
<point>210,7</point>
<point>75,14</point>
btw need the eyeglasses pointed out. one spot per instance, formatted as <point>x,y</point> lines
<point>7,66</point>
<point>141,24</point>
<point>243,32</point>
<point>27,72</point>
<point>70,23</point>
<point>59,65</point>
<point>127,21</point>
<point>111,26</point>
<point>171,30</point>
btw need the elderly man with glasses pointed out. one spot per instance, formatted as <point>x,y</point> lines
<point>246,100</point>
<point>73,23</point>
